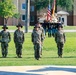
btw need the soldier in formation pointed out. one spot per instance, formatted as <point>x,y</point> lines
<point>43,35</point>
<point>37,41</point>
<point>18,40</point>
<point>5,38</point>
<point>60,40</point>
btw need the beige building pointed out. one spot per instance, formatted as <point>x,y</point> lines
<point>33,15</point>
<point>21,8</point>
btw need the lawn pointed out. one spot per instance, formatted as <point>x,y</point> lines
<point>31,27</point>
<point>49,56</point>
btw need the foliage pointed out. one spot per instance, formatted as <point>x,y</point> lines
<point>7,9</point>
<point>17,15</point>
<point>66,4</point>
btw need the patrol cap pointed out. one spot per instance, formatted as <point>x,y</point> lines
<point>4,26</point>
<point>19,25</point>
<point>36,26</point>
<point>59,25</point>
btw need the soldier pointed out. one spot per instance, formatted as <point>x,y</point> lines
<point>5,38</point>
<point>43,35</point>
<point>18,40</point>
<point>37,41</point>
<point>60,40</point>
<point>49,31</point>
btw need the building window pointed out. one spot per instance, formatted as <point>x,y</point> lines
<point>23,6</point>
<point>23,17</point>
<point>32,8</point>
<point>32,19</point>
<point>63,20</point>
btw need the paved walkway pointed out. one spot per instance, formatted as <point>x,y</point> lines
<point>38,70</point>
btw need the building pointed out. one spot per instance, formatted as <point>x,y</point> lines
<point>21,8</point>
<point>21,5</point>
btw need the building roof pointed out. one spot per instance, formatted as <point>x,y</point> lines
<point>62,13</point>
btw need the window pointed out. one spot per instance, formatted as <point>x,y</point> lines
<point>32,19</point>
<point>23,6</point>
<point>32,8</point>
<point>23,17</point>
<point>62,19</point>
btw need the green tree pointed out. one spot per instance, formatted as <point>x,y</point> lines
<point>66,4</point>
<point>7,9</point>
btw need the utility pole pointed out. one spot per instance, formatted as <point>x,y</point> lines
<point>27,15</point>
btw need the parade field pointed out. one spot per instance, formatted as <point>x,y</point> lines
<point>49,55</point>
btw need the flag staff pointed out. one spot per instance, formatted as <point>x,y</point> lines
<point>49,2</point>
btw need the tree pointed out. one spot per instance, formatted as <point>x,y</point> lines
<point>7,9</point>
<point>66,4</point>
<point>17,16</point>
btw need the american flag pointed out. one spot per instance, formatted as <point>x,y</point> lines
<point>49,13</point>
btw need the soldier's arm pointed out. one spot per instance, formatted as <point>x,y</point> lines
<point>23,37</point>
<point>64,37</point>
<point>42,37</point>
<point>32,37</point>
<point>56,37</point>
<point>0,36</point>
<point>14,36</point>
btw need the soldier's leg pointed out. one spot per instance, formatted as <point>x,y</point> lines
<point>35,51</point>
<point>17,53</point>
<point>20,49</point>
<point>2,48</point>
<point>6,49</point>
<point>61,49</point>
<point>58,46</point>
<point>49,34</point>
<point>38,51</point>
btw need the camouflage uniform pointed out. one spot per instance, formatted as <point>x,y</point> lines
<point>37,41</point>
<point>18,40</point>
<point>43,35</point>
<point>60,40</point>
<point>5,38</point>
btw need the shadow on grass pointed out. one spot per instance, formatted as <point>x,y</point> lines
<point>54,69</point>
<point>69,57</point>
<point>30,57</point>
<point>15,73</point>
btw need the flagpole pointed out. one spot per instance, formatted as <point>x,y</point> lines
<point>49,2</point>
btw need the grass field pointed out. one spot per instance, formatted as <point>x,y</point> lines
<point>49,56</point>
<point>31,27</point>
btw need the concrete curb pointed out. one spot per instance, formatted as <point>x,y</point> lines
<point>38,70</point>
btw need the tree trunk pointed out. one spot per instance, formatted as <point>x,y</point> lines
<point>5,21</point>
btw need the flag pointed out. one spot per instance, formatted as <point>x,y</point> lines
<point>53,8</point>
<point>48,13</point>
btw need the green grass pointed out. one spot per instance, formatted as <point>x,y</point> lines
<point>14,27</point>
<point>70,27</point>
<point>49,56</point>
<point>31,27</point>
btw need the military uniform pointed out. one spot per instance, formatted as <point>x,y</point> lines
<point>43,36</point>
<point>37,41</point>
<point>60,40</point>
<point>18,40</point>
<point>5,38</point>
